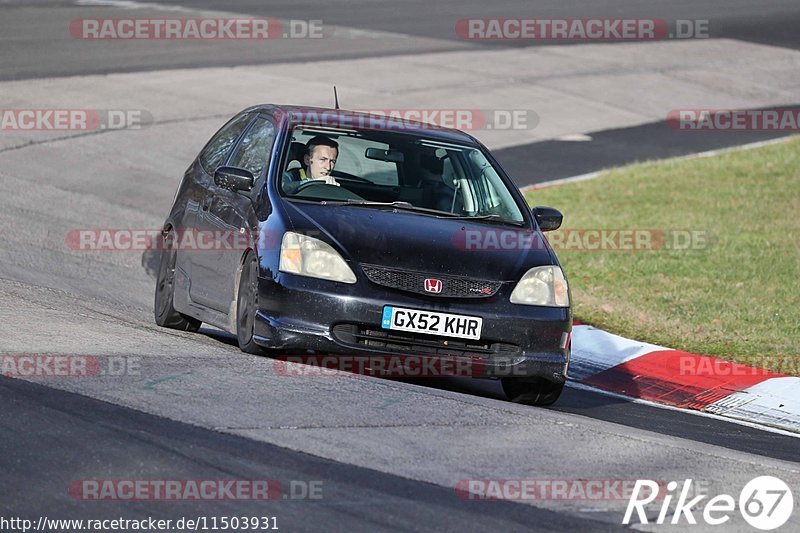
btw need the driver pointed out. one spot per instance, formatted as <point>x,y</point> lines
<point>320,158</point>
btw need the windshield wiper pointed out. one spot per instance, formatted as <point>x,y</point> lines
<point>399,205</point>
<point>491,218</point>
<point>433,212</point>
<point>368,203</point>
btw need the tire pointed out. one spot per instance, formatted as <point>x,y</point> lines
<point>165,314</point>
<point>247,305</point>
<point>532,391</point>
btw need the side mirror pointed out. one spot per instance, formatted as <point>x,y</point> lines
<point>235,179</point>
<point>549,219</point>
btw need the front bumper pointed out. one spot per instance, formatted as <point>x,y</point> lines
<point>298,314</point>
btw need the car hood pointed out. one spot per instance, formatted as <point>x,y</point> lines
<point>413,241</point>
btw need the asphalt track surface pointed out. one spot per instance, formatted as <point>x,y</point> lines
<point>769,22</point>
<point>48,456</point>
<point>387,453</point>
<point>556,159</point>
<point>39,46</point>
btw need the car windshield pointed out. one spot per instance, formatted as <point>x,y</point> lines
<point>400,170</point>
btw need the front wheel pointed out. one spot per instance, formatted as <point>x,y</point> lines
<point>165,314</point>
<point>532,391</point>
<point>247,305</point>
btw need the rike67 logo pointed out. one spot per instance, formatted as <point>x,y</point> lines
<point>765,503</point>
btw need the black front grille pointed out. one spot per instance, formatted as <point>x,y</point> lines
<point>410,281</point>
<point>419,344</point>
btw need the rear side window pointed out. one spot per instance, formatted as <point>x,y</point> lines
<point>218,147</point>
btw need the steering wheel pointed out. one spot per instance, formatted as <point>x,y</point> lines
<point>349,177</point>
<point>306,184</point>
<point>325,191</point>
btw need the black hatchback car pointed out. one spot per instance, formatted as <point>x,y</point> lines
<point>320,231</point>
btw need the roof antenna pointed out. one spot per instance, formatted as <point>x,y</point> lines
<point>335,97</point>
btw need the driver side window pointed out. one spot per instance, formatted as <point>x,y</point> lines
<point>255,147</point>
<point>218,147</point>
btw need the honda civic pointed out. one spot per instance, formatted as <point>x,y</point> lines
<point>321,231</point>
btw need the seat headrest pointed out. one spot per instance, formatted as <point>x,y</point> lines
<point>297,151</point>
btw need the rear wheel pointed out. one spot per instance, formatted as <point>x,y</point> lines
<point>165,313</point>
<point>247,305</point>
<point>532,391</point>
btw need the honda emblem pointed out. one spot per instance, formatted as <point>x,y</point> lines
<point>433,285</point>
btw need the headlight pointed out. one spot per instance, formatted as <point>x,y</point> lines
<point>544,285</point>
<point>307,256</point>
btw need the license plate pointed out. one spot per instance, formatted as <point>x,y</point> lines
<point>431,322</point>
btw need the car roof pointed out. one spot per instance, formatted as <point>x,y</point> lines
<point>343,118</point>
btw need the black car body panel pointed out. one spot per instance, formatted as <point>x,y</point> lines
<point>409,240</point>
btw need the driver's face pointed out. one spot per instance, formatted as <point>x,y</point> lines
<point>321,161</point>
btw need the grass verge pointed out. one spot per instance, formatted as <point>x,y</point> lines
<point>721,273</point>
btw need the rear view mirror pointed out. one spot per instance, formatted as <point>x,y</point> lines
<point>234,179</point>
<point>379,154</point>
<point>547,218</point>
